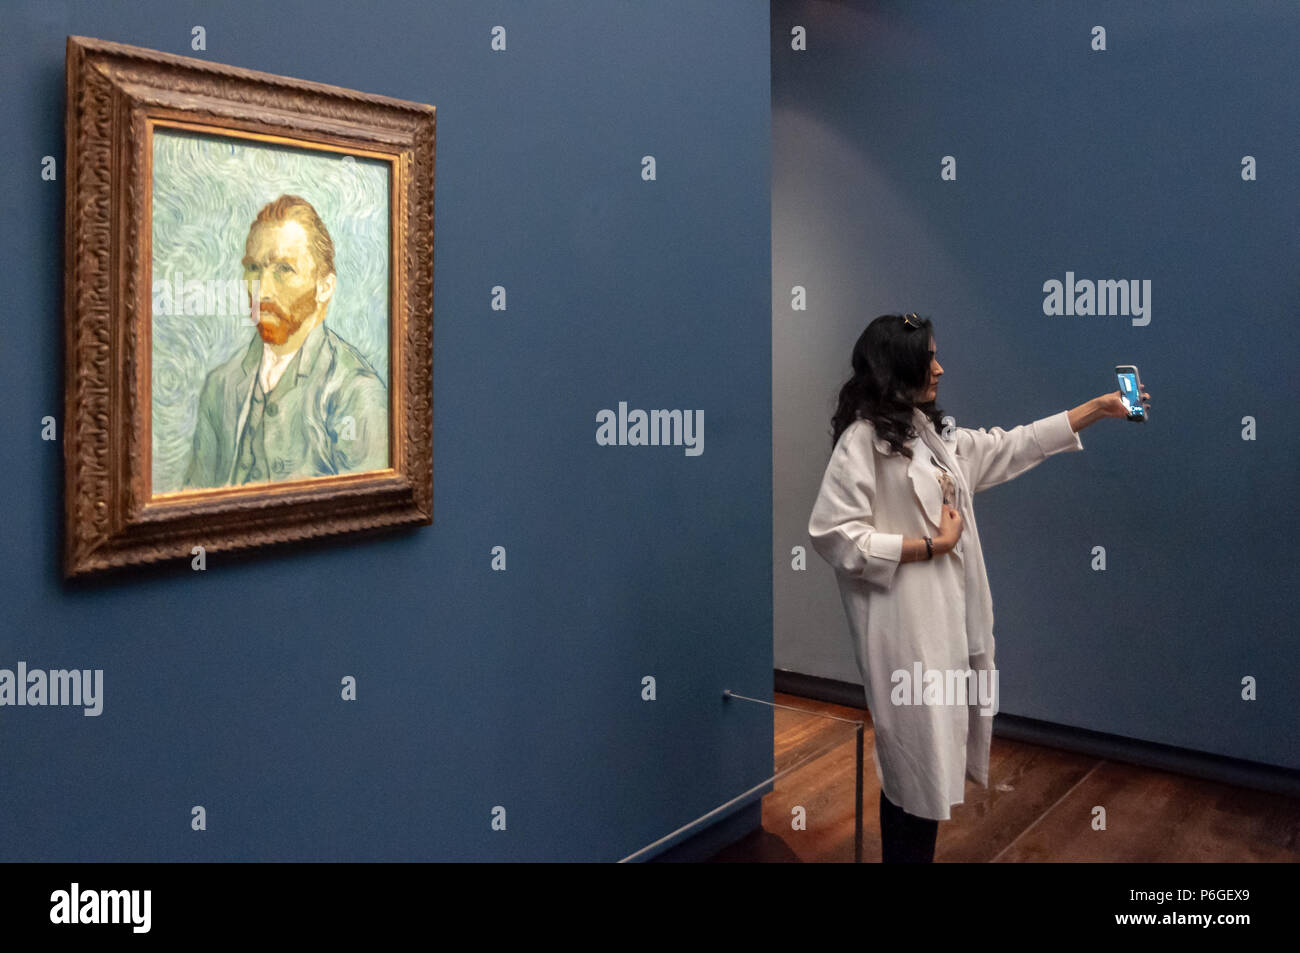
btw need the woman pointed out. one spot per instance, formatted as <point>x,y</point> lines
<point>896,490</point>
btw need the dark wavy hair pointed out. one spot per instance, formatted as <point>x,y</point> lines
<point>891,364</point>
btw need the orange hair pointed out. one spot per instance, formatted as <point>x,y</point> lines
<point>298,209</point>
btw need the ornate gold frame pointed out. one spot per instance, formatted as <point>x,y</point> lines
<point>117,94</point>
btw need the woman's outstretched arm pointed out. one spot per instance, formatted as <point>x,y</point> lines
<point>1085,415</point>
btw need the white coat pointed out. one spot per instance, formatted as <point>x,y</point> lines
<point>938,612</point>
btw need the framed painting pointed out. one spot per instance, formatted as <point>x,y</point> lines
<point>248,312</point>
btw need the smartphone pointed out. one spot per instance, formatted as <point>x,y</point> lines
<point>1130,391</point>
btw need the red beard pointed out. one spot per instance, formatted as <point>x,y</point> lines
<point>275,325</point>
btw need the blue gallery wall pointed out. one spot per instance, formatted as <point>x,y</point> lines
<point>476,688</point>
<point>1118,164</point>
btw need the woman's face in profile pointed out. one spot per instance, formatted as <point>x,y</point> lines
<point>936,371</point>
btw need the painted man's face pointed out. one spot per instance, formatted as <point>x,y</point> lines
<point>278,256</point>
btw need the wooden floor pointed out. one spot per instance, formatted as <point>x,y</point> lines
<point>1038,806</point>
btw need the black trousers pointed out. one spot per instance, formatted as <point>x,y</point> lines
<point>905,838</point>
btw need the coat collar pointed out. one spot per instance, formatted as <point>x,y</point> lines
<point>926,489</point>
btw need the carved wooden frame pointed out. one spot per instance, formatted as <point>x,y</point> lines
<point>115,92</point>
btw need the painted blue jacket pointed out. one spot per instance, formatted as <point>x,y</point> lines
<point>328,414</point>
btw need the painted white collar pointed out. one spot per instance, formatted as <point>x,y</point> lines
<point>273,366</point>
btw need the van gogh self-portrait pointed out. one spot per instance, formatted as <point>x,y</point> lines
<point>281,374</point>
<point>248,309</point>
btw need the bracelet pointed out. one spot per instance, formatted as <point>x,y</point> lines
<point>929,548</point>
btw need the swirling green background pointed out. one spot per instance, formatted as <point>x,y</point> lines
<point>207,189</point>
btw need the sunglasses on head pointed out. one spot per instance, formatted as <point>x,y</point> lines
<point>912,320</point>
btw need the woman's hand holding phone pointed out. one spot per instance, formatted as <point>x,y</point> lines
<point>1112,405</point>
